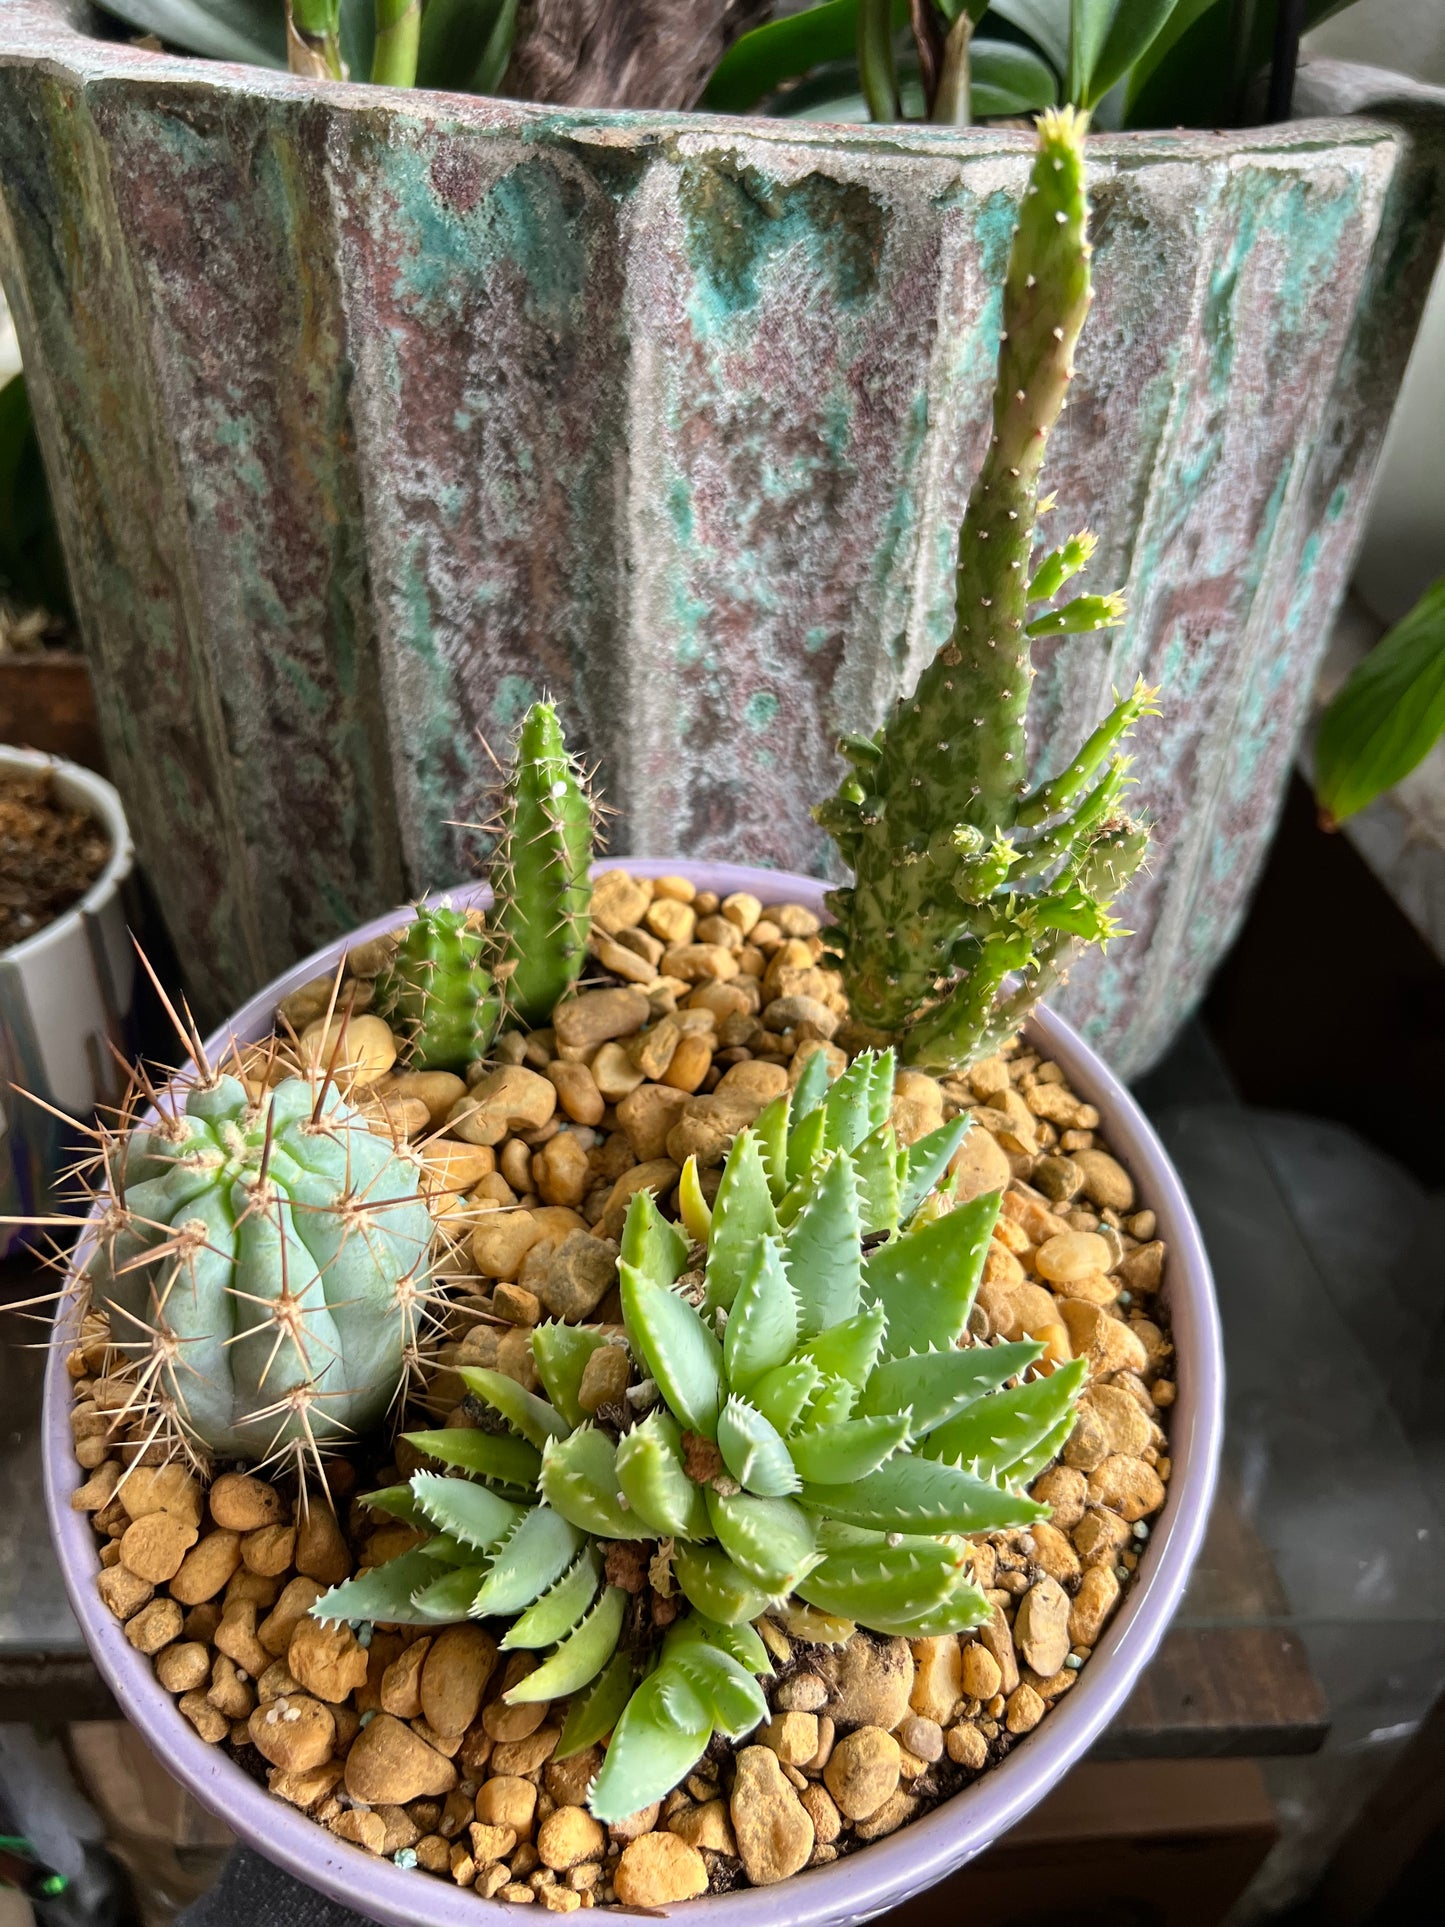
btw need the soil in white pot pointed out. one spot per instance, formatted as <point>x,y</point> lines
<point>724,1002</point>
<point>50,854</point>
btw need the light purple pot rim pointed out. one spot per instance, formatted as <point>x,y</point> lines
<point>890,1870</point>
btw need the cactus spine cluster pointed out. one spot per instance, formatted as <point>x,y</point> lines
<point>806,1423</point>
<point>964,874</point>
<point>437,992</point>
<point>264,1266</point>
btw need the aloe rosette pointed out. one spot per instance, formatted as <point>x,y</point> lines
<point>264,1264</point>
<point>807,1424</point>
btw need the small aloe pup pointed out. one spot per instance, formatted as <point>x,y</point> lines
<point>964,873</point>
<point>806,1425</point>
<point>445,986</point>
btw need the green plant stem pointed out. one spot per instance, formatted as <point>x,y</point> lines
<point>876,69</point>
<point>313,39</point>
<point>398,36</point>
<point>951,104</point>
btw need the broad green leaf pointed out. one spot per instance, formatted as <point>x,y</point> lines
<point>580,1657</point>
<point>1198,69</point>
<point>397,1501</point>
<point>529,1560</point>
<point>783,1394</point>
<point>888,1582</point>
<point>247,30</point>
<point>384,1594</point>
<point>742,1215</point>
<point>654,1481</point>
<point>558,1611</point>
<point>926,1279</point>
<point>473,1513</point>
<point>450,1597</point>
<point>849,1350</point>
<point>847,1450</point>
<point>878,1165</point>
<point>533,1417</point>
<point>754,1451</point>
<point>1130,34</point>
<point>1041,1453</point>
<point>1089,22</point>
<point>1389,715</point>
<point>927,1160</point>
<point>960,1610</point>
<point>763,1327</point>
<point>938,1384</point>
<point>562,1352</point>
<point>661,1735</point>
<point>720,1590</point>
<point>809,1091</point>
<point>677,1349</point>
<point>494,1455</point>
<point>742,1642</point>
<point>922,1495</point>
<point>594,1713</point>
<point>821,1253</point>
<point>758,63</point>
<point>579,1479</point>
<point>771,1540</point>
<point>733,1698</point>
<point>994,1431</point>
<point>655,1248</point>
<point>1004,79</point>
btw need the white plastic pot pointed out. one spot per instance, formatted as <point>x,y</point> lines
<point>65,998</point>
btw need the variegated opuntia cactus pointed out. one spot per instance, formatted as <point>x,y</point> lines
<point>264,1265</point>
<point>437,993</point>
<point>965,875</point>
<point>805,1427</point>
<point>540,871</point>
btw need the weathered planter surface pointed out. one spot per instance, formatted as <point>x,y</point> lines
<point>370,415</point>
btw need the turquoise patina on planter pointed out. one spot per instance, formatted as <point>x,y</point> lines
<point>373,415</point>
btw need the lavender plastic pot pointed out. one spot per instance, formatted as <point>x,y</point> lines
<point>890,1870</point>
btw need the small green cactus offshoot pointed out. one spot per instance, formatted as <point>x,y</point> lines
<point>540,871</point>
<point>437,993</point>
<point>264,1266</point>
<point>964,875</point>
<point>808,1423</point>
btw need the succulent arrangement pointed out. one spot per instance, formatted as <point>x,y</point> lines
<point>807,1424</point>
<point>966,874</point>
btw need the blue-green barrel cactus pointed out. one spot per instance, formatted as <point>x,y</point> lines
<point>263,1265</point>
<point>437,994</point>
<point>807,1423</point>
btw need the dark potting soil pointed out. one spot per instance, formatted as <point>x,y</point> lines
<point>50,854</point>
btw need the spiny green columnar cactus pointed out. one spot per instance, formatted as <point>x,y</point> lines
<point>437,993</point>
<point>264,1266</point>
<point>806,1424</point>
<point>964,874</point>
<point>540,871</point>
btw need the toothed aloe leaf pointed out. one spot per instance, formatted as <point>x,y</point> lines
<point>883,1582</point>
<point>580,1657</point>
<point>446,1549</point>
<point>384,1593</point>
<point>493,1455</point>
<point>661,1735</point>
<point>561,1353</point>
<point>938,1384</point>
<point>676,1348</point>
<point>805,1143</point>
<point>655,1248</point>
<point>534,1554</point>
<point>911,1494</point>
<point>782,1395</point>
<point>878,1165</point>
<point>1041,1453</point>
<point>928,1159</point>
<point>742,1642</point>
<point>692,1207</point>
<point>763,1327</point>
<point>821,1252</point>
<point>654,1480</point>
<point>850,1449</point>
<point>848,1350</point>
<point>832,1403</point>
<point>449,1597</point>
<point>771,1132</point>
<point>810,1089</point>
<point>560,1609</point>
<point>742,1214</point>
<point>858,1103</point>
<point>754,1451</point>
<point>990,1434</point>
<point>733,1698</point>
<point>533,1417</point>
<point>962,1608</point>
<point>396,1501</point>
<point>594,1712</point>
<point>771,1540</point>
<point>720,1590</point>
<point>475,1514</point>
<point>579,1480</point>
<point>926,1279</point>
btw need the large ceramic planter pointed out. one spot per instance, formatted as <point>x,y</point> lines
<point>881,1874</point>
<point>369,415</point>
<point>65,1000</point>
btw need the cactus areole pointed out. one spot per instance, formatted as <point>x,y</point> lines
<point>965,874</point>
